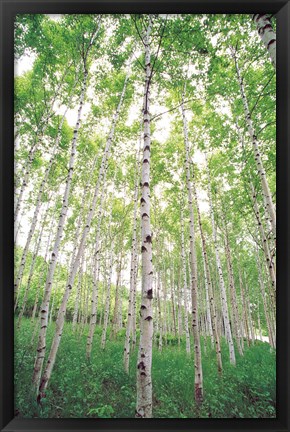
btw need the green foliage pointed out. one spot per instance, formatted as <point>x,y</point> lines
<point>191,59</point>
<point>101,388</point>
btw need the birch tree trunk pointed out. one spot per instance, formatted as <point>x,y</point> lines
<point>134,335</point>
<point>132,278</point>
<point>41,346</point>
<point>245,312</point>
<point>224,302</point>
<point>269,261</point>
<point>267,34</point>
<point>34,257</point>
<point>262,288</point>
<point>248,305</point>
<point>43,271</point>
<point>37,207</point>
<point>164,292</point>
<point>96,270</point>
<point>233,294</point>
<point>75,264</point>
<point>269,206</point>
<point>179,308</point>
<point>43,125</point>
<point>173,299</point>
<point>210,294</point>
<point>78,296</point>
<point>144,362</point>
<point>183,259</point>
<point>33,225</point>
<point>117,293</point>
<point>108,297</point>
<point>198,379</point>
<point>27,169</point>
<point>159,312</point>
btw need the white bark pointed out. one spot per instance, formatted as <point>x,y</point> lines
<point>269,261</point>
<point>132,278</point>
<point>43,271</point>
<point>108,296</point>
<point>233,294</point>
<point>245,311</point>
<point>184,281</point>
<point>144,363</point>
<point>41,346</point>
<point>62,310</point>
<point>198,378</point>
<point>37,208</point>
<point>96,270</point>
<point>263,293</point>
<point>269,206</point>
<point>267,34</point>
<point>34,257</point>
<point>134,337</point>
<point>35,146</point>
<point>224,302</point>
<point>78,296</point>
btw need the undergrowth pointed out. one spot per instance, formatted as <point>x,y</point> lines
<point>101,388</point>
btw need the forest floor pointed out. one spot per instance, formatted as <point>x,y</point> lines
<point>101,388</point>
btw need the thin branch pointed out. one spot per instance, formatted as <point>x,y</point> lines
<point>138,31</point>
<point>261,93</point>
<point>172,109</point>
<point>268,124</point>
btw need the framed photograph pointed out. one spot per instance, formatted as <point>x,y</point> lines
<point>151,154</point>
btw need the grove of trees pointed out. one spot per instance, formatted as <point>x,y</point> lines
<point>145,221</point>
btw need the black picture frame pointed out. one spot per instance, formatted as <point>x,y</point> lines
<point>9,8</point>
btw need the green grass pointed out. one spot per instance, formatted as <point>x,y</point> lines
<point>102,388</point>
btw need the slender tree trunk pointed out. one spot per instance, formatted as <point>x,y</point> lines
<point>183,259</point>
<point>41,347</point>
<point>233,294</point>
<point>78,295</point>
<point>269,261</point>
<point>108,297</point>
<point>179,308</point>
<point>267,34</point>
<point>206,273</point>
<point>43,270</point>
<point>117,292</point>
<point>37,206</point>
<point>132,278</point>
<point>248,306</point>
<point>165,321</point>
<point>62,310</point>
<point>144,363</point>
<point>198,379</point>
<point>53,302</point>
<point>173,299</point>
<point>134,335</point>
<point>43,125</point>
<point>96,269</point>
<point>159,312</point>
<point>27,169</point>
<point>269,207</point>
<point>34,257</point>
<point>262,287</point>
<point>224,302</point>
<point>245,312</point>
